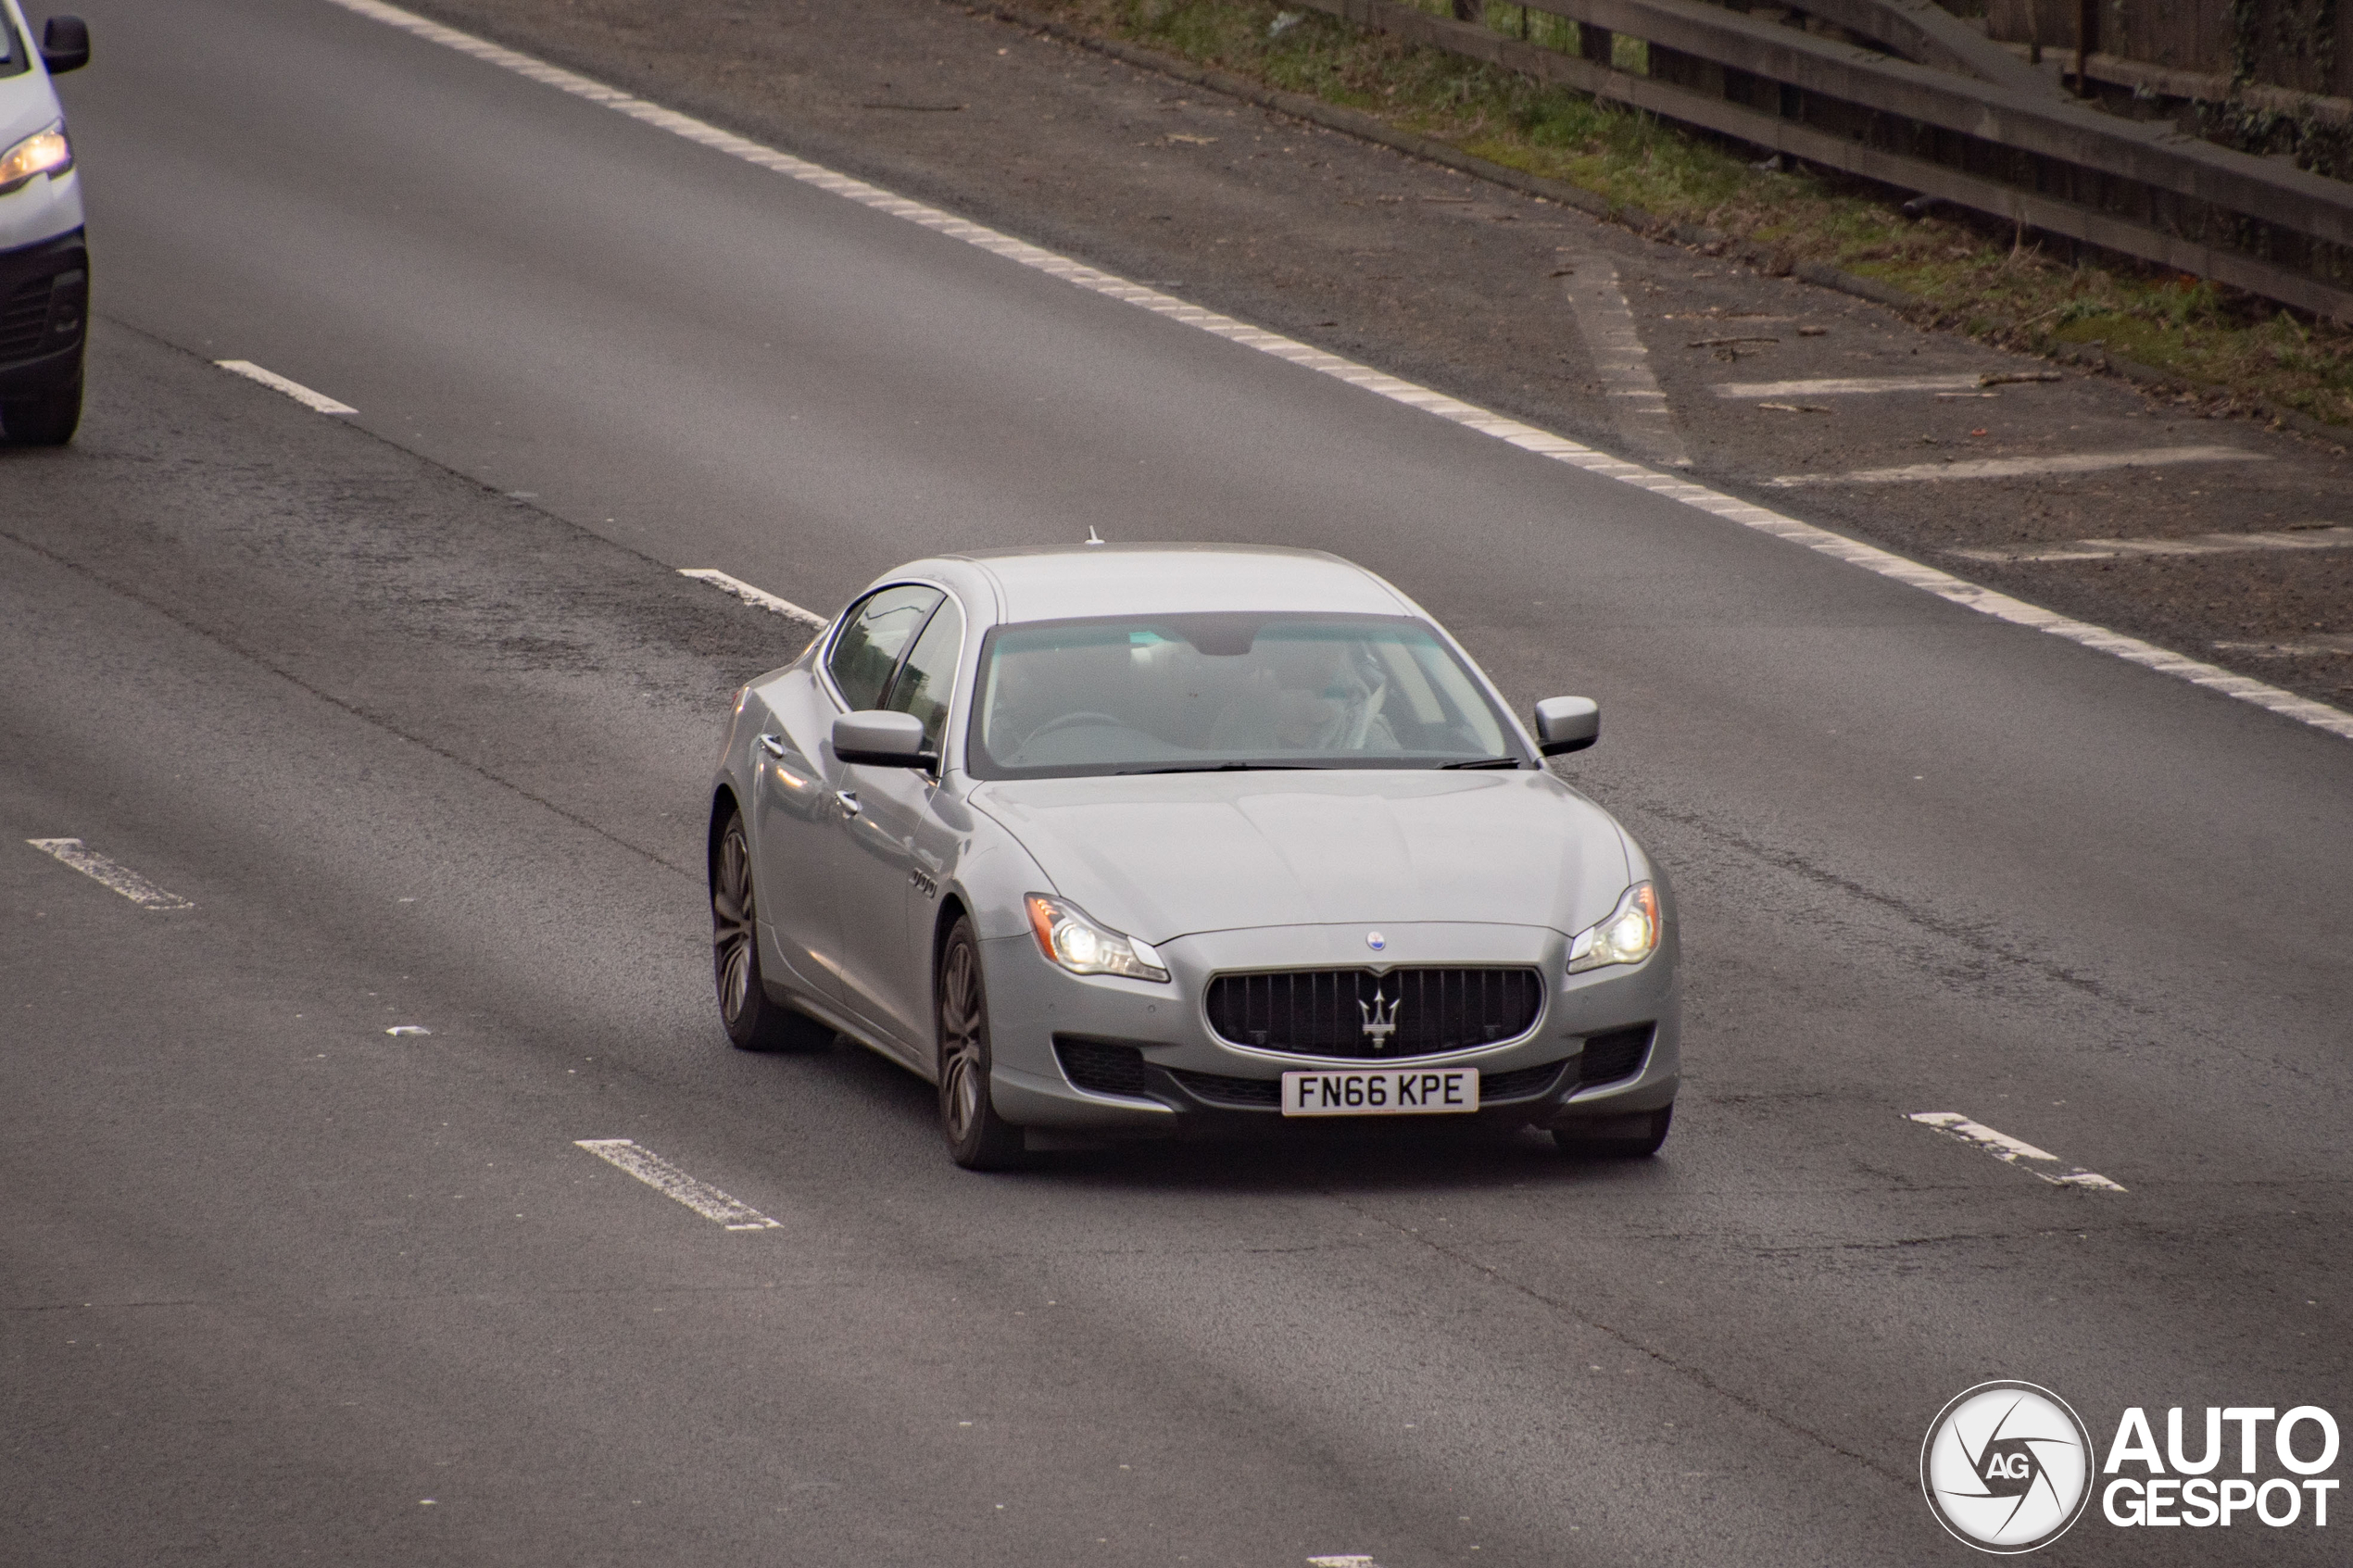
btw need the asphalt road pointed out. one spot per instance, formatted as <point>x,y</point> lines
<point>276,1286</point>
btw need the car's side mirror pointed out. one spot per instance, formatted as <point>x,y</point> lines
<point>882,739</point>
<point>1567,723</point>
<point>65,45</point>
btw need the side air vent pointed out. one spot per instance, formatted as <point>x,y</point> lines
<point>1619,1054</point>
<point>24,321</point>
<point>1102,1068</point>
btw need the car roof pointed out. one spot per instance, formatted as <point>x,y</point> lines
<point>1065,581</point>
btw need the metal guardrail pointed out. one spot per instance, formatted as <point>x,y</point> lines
<point>2002,111</point>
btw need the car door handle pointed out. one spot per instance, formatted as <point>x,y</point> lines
<point>773,744</point>
<point>848,799</point>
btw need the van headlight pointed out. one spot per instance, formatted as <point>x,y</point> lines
<point>1069,938</point>
<point>44,152</point>
<point>1628,936</point>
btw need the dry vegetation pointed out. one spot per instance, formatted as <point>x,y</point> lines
<point>2005,285</point>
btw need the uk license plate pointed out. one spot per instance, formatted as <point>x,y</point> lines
<point>1381,1091</point>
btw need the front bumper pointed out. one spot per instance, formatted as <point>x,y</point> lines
<point>1053,1033</point>
<point>44,315</point>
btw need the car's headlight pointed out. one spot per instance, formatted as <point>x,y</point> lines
<point>1628,936</point>
<point>1070,939</point>
<point>44,152</point>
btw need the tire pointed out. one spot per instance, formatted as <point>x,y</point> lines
<point>754,1020</point>
<point>47,421</point>
<point>1634,1137</point>
<point>978,1138</point>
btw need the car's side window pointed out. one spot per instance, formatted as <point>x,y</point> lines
<point>927,679</point>
<point>872,640</point>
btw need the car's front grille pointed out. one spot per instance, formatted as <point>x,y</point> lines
<point>1619,1054</point>
<point>1102,1068</point>
<point>24,321</point>
<point>1355,1012</point>
<point>1522,1082</point>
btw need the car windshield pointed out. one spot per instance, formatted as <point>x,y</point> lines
<point>1204,693</point>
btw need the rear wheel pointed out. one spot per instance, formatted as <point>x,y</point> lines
<point>49,419</point>
<point>978,1138</point>
<point>1634,1137</point>
<point>754,1020</point>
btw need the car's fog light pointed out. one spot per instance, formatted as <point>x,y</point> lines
<point>1628,936</point>
<point>1069,938</point>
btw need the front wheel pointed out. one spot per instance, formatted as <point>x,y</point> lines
<point>49,419</point>
<point>754,1020</point>
<point>978,1138</point>
<point>1633,1136</point>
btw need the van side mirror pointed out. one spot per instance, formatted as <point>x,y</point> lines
<point>1567,723</point>
<point>880,738</point>
<point>65,45</point>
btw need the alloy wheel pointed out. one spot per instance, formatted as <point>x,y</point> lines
<point>732,926</point>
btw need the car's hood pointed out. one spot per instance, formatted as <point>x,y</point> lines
<point>27,105</point>
<point>1163,857</point>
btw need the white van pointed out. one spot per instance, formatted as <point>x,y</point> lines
<point>45,266</point>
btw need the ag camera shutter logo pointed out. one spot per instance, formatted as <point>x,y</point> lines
<point>2006,1467</point>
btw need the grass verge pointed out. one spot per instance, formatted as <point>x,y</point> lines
<point>2009,287</point>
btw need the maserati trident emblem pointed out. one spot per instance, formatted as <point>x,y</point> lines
<point>1380,1019</point>
<point>1376,941</point>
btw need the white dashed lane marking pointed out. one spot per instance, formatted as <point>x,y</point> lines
<point>2025,468</point>
<point>671,1182</point>
<point>1527,438</point>
<point>1606,323</point>
<point>293,389</point>
<point>752,595</point>
<point>1846,386</point>
<point>98,869</point>
<point>2013,1151</point>
<point>2202,544</point>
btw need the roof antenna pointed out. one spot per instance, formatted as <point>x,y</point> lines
<point>1091,538</point>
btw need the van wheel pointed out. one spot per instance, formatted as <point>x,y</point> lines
<point>47,421</point>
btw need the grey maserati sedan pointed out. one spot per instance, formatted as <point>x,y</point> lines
<point>1162,839</point>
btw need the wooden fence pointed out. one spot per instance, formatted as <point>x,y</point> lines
<point>1905,94</point>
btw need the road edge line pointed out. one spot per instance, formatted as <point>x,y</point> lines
<point>1870,557</point>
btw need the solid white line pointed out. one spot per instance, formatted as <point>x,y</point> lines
<point>1886,563</point>
<point>669,1181</point>
<point>1842,386</point>
<point>2020,468</point>
<point>2010,1151</point>
<point>2202,544</point>
<point>752,595</point>
<point>293,389</point>
<point>123,880</point>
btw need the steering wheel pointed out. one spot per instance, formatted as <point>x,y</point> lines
<point>1069,721</point>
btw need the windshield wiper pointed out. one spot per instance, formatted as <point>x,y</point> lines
<point>1220,768</point>
<point>1480,762</point>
